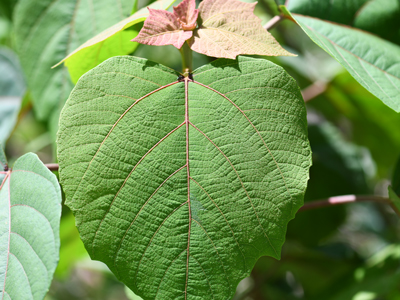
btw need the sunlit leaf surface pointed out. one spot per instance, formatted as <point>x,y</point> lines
<point>179,186</point>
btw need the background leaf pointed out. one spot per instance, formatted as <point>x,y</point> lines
<point>29,245</point>
<point>245,148</point>
<point>372,61</point>
<point>113,41</point>
<point>380,17</point>
<point>12,87</point>
<point>46,31</point>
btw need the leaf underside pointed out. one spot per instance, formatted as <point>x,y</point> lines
<point>30,210</point>
<point>180,186</point>
<point>372,61</point>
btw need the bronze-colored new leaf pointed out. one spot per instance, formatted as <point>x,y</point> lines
<point>166,28</point>
<point>228,28</point>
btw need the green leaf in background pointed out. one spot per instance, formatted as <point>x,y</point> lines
<point>380,17</point>
<point>395,200</point>
<point>396,178</point>
<point>46,31</point>
<point>9,108</point>
<point>30,210</point>
<point>12,88</point>
<point>378,278</point>
<point>113,41</point>
<point>372,61</point>
<point>3,164</point>
<point>187,182</point>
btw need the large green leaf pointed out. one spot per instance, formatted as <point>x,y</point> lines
<point>179,186</point>
<point>380,17</point>
<point>48,30</point>
<point>372,61</point>
<point>111,42</point>
<point>30,210</point>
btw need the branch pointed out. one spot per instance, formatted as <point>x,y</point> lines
<point>273,22</point>
<point>52,167</point>
<point>314,90</point>
<point>343,200</point>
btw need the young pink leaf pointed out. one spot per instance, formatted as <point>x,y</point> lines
<point>166,28</point>
<point>228,28</point>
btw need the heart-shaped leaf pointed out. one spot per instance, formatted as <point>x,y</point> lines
<point>372,61</point>
<point>179,186</point>
<point>111,42</point>
<point>48,30</point>
<point>30,210</point>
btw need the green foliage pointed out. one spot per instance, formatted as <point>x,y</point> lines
<point>209,173</point>
<point>12,86</point>
<point>371,60</point>
<point>46,31</point>
<point>30,209</point>
<point>113,41</point>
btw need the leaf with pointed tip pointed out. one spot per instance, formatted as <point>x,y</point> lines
<point>372,61</point>
<point>113,41</point>
<point>30,211</point>
<point>48,30</point>
<point>180,186</point>
<point>228,28</point>
<point>169,28</point>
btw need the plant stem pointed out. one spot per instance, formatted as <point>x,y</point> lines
<point>273,22</point>
<point>314,90</point>
<point>52,167</point>
<point>343,200</point>
<point>187,60</point>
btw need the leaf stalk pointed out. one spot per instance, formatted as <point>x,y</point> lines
<point>187,59</point>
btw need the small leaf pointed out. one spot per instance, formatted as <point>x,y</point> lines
<point>113,41</point>
<point>372,61</point>
<point>180,186</point>
<point>30,210</point>
<point>228,28</point>
<point>169,28</point>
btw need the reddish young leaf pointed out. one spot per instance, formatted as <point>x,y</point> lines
<point>166,28</point>
<point>228,28</point>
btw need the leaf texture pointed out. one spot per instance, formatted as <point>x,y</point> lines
<point>180,186</point>
<point>228,28</point>
<point>48,30</point>
<point>113,41</point>
<point>169,28</point>
<point>30,211</point>
<point>372,61</point>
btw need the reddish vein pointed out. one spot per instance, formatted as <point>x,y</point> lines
<point>115,124</point>
<point>188,177</point>
<point>129,175</point>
